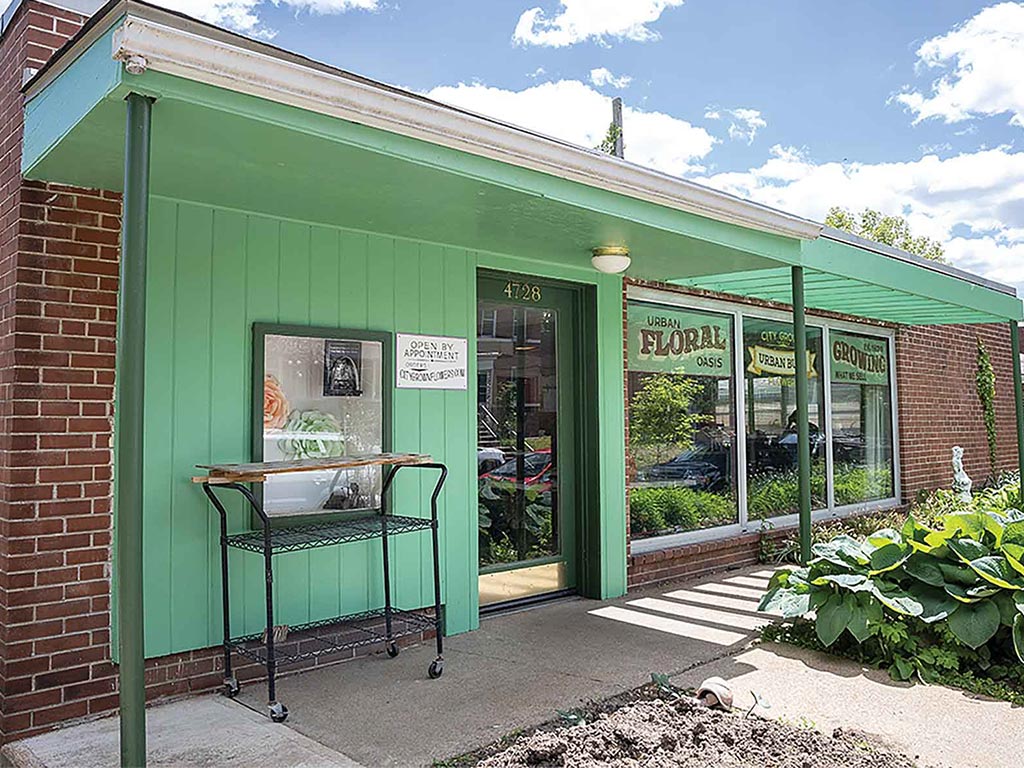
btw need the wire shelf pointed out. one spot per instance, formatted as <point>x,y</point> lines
<point>311,536</point>
<point>317,638</point>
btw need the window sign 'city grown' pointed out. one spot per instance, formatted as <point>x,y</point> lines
<point>681,420</point>
<point>769,365</point>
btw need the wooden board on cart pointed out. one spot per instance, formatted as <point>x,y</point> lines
<point>256,472</point>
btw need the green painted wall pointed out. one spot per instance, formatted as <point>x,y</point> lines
<point>212,273</point>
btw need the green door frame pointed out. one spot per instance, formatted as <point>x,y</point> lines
<point>579,400</point>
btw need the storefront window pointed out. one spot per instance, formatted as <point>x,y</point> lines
<point>861,418</point>
<point>681,420</point>
<point>770,364</point>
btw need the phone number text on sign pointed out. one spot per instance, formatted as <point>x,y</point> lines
<point>431,362</point>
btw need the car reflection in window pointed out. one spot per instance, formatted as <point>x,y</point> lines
<point>704,467</point>
<point>537,469</point>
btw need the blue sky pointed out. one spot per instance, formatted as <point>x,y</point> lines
<point>913,107</point>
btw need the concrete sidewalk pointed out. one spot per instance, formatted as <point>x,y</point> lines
<point>200,731</point>
<point>516,671</point>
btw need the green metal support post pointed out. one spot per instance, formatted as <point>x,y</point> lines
<point>131,351</point>
<point>803,435</point>
<point>1015,351</point>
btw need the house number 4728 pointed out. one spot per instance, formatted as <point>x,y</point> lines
<point>522,291</point>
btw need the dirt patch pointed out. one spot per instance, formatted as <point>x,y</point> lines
<point>655,733</point>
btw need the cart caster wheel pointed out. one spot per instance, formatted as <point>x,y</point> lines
<point>392,649</point>
<point>436,669</point>
<point>278,712</point>
<point>231,687</point>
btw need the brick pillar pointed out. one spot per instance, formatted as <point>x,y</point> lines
<point>58,297</point>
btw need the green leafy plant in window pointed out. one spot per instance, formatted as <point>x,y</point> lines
<point>659,509</point>
<point>660,422</point>
<point>510,532</point>
<point>985,382</point>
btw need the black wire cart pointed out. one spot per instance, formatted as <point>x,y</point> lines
<point>343,633</point>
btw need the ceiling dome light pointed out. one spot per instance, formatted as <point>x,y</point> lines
<point>611,259</point>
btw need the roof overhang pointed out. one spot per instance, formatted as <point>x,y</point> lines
<point>177,45</point>
<point>854,277</point>
<point>241,124</point>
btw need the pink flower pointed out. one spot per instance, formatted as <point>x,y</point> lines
<point>275,404</point>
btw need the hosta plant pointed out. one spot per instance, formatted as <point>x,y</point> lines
<point>918,594</point>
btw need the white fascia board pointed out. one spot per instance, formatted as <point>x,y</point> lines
<point>245,66</point>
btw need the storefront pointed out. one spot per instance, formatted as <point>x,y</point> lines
<point>312,264</point>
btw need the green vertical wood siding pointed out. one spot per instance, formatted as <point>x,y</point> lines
<point>213,273</point>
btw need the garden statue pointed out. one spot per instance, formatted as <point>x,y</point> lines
<point>961,480</point>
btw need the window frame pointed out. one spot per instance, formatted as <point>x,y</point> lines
<point>736,416</point>
<point>826,324</point>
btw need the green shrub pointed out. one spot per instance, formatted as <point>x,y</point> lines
<point>776,493</point>
<point>922,600</point>
<point>854,484</point>
<point>1000,498</point>
<point>646,510</point>
<point>657,509</point>
<point>786,549</point>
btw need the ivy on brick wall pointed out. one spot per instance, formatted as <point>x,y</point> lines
<point>985,382</point>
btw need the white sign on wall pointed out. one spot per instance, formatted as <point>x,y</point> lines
<point>431,362</point>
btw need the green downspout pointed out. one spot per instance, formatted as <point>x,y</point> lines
<point>1015,351</point>
<point>803,435</point>
<point>131,351</point>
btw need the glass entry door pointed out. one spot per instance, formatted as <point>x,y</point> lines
<point>526,446</point>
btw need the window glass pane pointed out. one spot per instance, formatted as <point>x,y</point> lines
<point>861,418</point>
<point>517,434</point>
<point>322,398</point>
<point>682,428</point>
<point>770,362</point>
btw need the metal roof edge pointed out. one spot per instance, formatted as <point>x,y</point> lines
<point>176,44</point>
<point>839,236</point>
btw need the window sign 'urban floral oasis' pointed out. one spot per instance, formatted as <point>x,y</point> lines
<point>681,420</point>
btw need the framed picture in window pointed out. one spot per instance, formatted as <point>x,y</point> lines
<point>320,393</point>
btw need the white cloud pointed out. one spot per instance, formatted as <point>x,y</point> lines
<point>573,111</point>
<point>602,76</point>
<point>578,20</point>
<point>983,59</point>
<point>744,123</point>
<point>972,202</point>
<point>243,15</point>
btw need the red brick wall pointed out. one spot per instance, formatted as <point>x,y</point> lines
<point>58,291</point>
<point>939,406</point>
<point>693,560</point>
